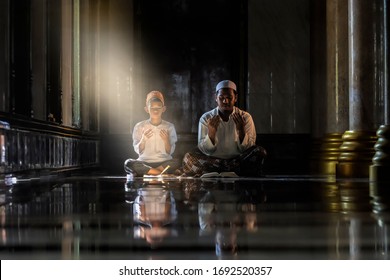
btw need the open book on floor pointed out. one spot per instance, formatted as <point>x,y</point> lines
<point>218,175</point>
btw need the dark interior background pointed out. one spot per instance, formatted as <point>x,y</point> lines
<point>273,49</point>
<point>186,48</point>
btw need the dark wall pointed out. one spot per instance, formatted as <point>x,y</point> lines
<point>186,47</point>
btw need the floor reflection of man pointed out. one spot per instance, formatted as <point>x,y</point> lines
<point>154,208</point>
<point>223,215</point>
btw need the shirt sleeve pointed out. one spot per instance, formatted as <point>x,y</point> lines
<point>250,134</point>
<point>172,138</point>
<point>137,135</point>
<point>204,142</point>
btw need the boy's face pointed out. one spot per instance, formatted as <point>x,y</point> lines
<point>226,98</point>
<point>155,109</point>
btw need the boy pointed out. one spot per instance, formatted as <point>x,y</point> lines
<point>153,140</point>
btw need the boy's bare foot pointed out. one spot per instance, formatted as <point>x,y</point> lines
<point>154,171</point>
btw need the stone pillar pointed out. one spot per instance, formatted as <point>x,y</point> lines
<point>337,66</point>
<point>379,170</point>
<point>336,102</point>
<point>357,149</point>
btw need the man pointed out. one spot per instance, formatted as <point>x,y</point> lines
<point>226,139</point>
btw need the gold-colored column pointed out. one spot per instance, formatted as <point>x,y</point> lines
<point>357,149</point>
<point>336,96</point>
<point>328,151</point>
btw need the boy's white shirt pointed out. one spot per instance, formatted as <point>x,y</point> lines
<point>154,150</point>
<point>227,144</point>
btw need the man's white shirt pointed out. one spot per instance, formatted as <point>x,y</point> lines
<point>227,143</point>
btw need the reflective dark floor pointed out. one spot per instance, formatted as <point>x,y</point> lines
<point>276,217</point>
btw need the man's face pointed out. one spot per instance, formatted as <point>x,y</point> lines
<point>226,98</point>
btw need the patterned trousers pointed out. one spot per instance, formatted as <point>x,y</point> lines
<point>249,163</point>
